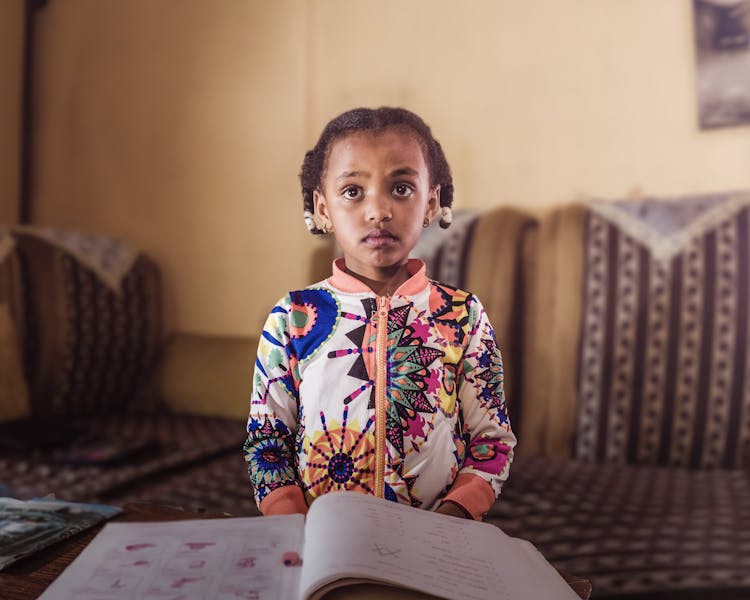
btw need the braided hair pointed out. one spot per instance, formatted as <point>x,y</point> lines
<point>375,120</point>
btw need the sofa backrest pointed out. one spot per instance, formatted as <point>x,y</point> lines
<point>482,253</point>
<point>92,324</point>
<point>640,341</point>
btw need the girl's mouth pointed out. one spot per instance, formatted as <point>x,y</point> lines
<point>379,238</point>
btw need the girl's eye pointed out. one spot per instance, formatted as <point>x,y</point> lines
<point>403,190</point>
<point>352,193</point>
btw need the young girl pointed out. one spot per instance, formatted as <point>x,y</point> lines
<point>378,380</point>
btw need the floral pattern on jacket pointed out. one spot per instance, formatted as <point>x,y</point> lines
<point>387,395</point>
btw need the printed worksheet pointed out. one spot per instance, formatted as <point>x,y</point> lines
<point>347,538</point>
<point>246,558</point>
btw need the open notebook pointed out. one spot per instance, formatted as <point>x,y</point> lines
<point>347,538</point>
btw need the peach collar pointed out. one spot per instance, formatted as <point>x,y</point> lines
<point>417,281</point>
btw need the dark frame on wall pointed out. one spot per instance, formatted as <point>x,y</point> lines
<point>27,95</point>
<point>722,48</point>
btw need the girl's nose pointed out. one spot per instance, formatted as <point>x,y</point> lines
<point>379,209</point>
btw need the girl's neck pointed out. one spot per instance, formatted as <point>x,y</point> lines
<point>385,283</point>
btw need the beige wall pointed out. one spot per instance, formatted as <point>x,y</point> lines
<point>11,80</point>
<point>535,102</point>
<point>181,125</point>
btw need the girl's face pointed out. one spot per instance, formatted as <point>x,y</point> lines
<point>376,195</point>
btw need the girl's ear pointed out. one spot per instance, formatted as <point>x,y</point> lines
<point>433,203</point>
<point>321,210</point>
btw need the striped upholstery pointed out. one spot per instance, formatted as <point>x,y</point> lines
<point>664,365</point>
<point>88,348</point>
<point>445,251</point>
<point>481,253</point>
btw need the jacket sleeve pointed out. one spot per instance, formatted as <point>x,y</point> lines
<point>272,422</point>
<point>487,433</point>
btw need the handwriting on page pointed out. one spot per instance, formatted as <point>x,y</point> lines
<point>440,554</point>
<point>433,553</point>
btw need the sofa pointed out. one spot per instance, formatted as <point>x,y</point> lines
<point>623,326</point>
<point>633,463</point>
<point>85,416</point>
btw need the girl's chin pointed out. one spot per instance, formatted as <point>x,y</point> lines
<point>382,266</point>
<point>383,256</point>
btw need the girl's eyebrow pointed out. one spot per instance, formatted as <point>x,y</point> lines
<point>404,171</point>
<point>348,174</point>
<point>400,172</point>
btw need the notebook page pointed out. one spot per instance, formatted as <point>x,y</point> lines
<point>197,559</point>
<point>359,536</point>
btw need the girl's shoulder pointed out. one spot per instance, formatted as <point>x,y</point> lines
<point>459,294</point>
<point>311,290</point>
<point>316,299</point>
<point>447,297</point>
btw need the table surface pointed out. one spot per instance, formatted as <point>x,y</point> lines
<point>29,577</point>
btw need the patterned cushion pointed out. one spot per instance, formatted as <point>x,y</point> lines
<point>634,529</point>
<point>664,366</point>
<point>90,341</point>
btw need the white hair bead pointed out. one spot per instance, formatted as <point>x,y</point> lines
<point>309,221</point>
<point>446,216</point>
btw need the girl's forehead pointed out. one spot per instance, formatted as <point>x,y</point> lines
<point>391,145</point>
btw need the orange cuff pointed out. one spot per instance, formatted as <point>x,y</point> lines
<point>286,500</point>
<point>471,493</point>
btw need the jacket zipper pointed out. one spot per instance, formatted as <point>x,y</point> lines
<point>381,382</point>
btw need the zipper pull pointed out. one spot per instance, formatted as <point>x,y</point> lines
<point>382,307</point>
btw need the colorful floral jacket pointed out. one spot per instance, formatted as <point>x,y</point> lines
<point>397,396</point>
